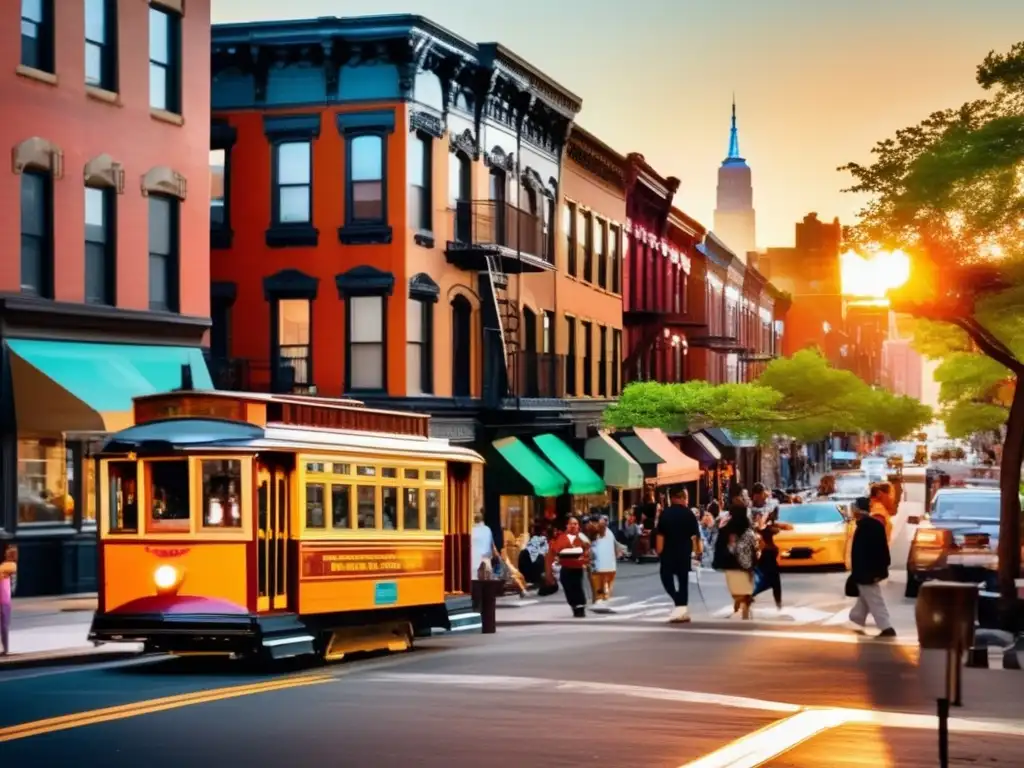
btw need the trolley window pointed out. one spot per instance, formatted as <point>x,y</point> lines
<point>389,508</point>
<point>167,495</point>
<point>315,506</point>
<point>341,506</point>
<point>366,506</point>
<point>222,483</point>
<point>433,475</point>
<point>123,496</point>
<point>411,509</point>
<point>432,498</point>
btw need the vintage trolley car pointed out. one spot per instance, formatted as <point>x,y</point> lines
<point>250,524</point>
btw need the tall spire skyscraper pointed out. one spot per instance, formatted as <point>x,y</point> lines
<point>735,221</point>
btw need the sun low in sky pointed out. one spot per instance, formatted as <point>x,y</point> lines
<point>873,276</point>
<point>817,82</point>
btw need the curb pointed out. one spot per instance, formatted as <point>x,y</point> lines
<point>75,658</point>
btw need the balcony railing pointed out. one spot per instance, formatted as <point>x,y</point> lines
<point>248,375</point>
<point>539,374</point>
<point>496,224</point>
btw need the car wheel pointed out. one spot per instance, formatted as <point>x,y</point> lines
<point>913,586</point>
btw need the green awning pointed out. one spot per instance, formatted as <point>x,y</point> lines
<point>640,451</point>
<point>106,377</point>
<point>543,478</point>
<point>582,479</point>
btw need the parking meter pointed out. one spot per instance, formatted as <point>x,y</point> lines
<point>946,613</point>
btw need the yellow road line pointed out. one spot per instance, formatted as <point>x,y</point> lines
<point>123,711</point>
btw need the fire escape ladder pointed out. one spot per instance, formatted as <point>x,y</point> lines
<point>502,332</point>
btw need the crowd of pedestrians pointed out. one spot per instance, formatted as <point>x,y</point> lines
<point>738,541</point>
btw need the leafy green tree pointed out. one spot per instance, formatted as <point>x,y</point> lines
<point>801,397</point>
<point>949,191</point>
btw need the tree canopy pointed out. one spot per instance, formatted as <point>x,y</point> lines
<point>950,191</point>
<point>801,397</point>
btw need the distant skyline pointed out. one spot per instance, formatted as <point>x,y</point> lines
<point>817,82</point>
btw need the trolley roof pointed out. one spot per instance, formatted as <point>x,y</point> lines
<point>188,419</point>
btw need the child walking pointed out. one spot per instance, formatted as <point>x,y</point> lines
<point>8,574</point>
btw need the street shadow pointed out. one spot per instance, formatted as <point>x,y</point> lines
<point>891,677</point>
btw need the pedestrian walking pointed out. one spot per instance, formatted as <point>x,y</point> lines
<point>482,549</point>
<point>572,552</point>
<point>736,555</point>
<point>604,550</point>
<point>869,567</point>
<point>767,574</point>
<point>8,579</point>
<point>883,506</point>
<point>677,539</point>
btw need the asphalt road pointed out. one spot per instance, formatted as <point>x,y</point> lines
<point>616,690</point>
<point>558,695</point>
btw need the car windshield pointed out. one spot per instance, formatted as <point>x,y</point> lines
<point>966,506</point>
<point>848,485</point>
<point>805,514</point>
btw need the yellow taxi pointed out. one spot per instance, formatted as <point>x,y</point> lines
<point>816,533</point>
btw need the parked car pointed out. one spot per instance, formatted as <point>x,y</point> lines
<point>821,534</point>
<point>957,539</point>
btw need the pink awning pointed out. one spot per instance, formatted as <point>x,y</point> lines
<point>677,466</point>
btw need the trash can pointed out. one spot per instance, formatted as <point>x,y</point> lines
<point>485,602</point>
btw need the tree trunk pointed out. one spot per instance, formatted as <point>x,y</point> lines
<point>1010,513</point>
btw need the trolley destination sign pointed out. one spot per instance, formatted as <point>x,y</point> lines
<point>351,562</point>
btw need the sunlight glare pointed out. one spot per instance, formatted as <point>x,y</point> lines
<point>874,276</point>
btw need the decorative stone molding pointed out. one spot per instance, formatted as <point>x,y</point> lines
<point>163,181</point>
<point>530,179</point>
<point>37,153</point>
<point>427,123</point>
<point>465,143</point>
<point>103,171</point>
<point>498,158</point>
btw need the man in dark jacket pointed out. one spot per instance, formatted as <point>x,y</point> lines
<point>869,568</point>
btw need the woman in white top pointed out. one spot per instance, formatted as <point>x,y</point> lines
<point>604,552</point>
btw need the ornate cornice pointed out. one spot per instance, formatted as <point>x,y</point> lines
<point>597,163</point>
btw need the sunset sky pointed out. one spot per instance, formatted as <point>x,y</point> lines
<point>817,82</point>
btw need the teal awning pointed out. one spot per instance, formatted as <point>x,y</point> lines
<point>106,377</point>
<point>582,479</point>
<point>540,476</point>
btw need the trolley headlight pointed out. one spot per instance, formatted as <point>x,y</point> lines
<point>167,578</point>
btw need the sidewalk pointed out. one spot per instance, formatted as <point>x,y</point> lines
<point>47,631</point>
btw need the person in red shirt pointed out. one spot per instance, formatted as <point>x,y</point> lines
<point>573,554</point>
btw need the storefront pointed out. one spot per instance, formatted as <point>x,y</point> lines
<point>58,401</point>
<point>742,453</point>
<point>699,447</point>
<point>530,491</point>
<point>623,476</point>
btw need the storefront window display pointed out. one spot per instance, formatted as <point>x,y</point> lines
<point>43,495</point>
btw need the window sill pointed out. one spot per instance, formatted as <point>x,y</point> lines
<point>424,238</point>
<point>38,75</point>
<point>221,238</point>
<point>102,94</point>
<point>365,234</point>
<point>284,236</point>
<point>166,117</point>
<point>366,392</point>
